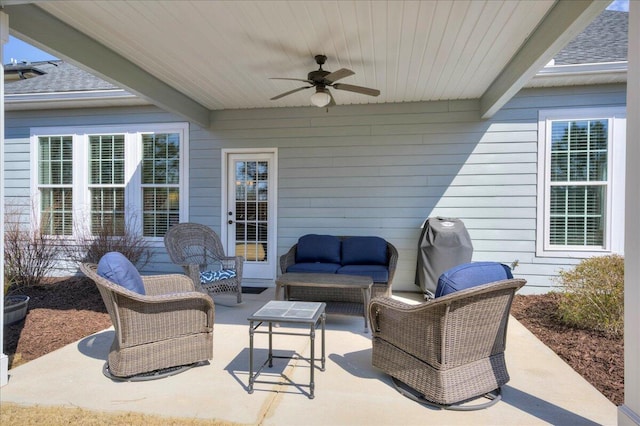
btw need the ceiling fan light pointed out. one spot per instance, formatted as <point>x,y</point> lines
<point>321,98</point>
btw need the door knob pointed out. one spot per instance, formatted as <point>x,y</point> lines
<point>230,222</point>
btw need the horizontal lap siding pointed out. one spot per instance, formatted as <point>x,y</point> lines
<point>371,169</point>
<point>382,169</point>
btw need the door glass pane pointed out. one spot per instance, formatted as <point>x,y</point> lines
<point>251,206</point>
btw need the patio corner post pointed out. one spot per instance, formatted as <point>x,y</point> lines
<point>629,412</point>
<point>4,360</point>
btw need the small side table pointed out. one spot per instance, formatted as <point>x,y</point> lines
<point>309,313</point>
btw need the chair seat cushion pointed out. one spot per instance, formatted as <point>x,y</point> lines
<point>318,248</point>
<point>115,267</point>
<point>207,277</point>
<point>470,275</point>
<point>315,267</point>
<point>379,273</point>
<point>364,251</point>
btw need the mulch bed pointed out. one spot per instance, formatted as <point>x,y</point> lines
<point>595,356</point>
<point>60,312</point>
<point>65,311</point>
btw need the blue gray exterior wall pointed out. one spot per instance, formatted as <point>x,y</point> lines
<point>367,170</point>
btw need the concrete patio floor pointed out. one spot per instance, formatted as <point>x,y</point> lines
<point>543,388</point>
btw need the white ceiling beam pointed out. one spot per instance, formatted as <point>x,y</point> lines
<point>47,32</point>
<point>561,25</point>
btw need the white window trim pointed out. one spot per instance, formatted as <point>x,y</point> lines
<point>132,132</point>
<point>614,238</point>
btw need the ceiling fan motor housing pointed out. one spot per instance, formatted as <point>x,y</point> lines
<point>318,77</point>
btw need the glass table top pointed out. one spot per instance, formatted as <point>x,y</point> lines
<point>285,311</point>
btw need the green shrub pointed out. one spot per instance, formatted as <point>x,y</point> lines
<point>592,295</point>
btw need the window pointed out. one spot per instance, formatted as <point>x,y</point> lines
<point>111,178</point>
<point>106,183</point>
<point>160,182</point>
<point>581,182</point>
<point>55,167</point>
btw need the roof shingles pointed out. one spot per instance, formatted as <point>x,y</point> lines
<point>59,77</point>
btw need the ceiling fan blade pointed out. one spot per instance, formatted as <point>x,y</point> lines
<point>357,89</point>
<point>282,95</point>
<point>337,75</point>
<point>294,79</point>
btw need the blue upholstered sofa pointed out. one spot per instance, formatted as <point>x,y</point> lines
<point>328,254</point>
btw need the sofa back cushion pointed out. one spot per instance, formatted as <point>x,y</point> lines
<point>318,248</point>
<point>364,251</point>
<point>470,275</point>
<point>115,267</point>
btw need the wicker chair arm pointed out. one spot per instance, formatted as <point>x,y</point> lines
<point>179,314</point>
<point>388,308</point>
<point>163,284</point>
<point>288,259</point>
<point>392,254</point>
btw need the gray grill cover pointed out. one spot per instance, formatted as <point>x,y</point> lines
<point>444,243</point>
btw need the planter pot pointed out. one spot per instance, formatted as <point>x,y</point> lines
<point>15,309</point>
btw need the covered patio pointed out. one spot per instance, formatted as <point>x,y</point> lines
<point>200,60</point>
<point>543,388</point>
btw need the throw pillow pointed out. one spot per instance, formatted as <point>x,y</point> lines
<point>207,277</point>
<point>115,267</point>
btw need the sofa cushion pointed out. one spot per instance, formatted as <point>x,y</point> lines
<point>470,275</point>
<point>364,251</point>
<point>379,273</point>
<point>115,267</point>
<point>314,267</point>
<point>318,248</point>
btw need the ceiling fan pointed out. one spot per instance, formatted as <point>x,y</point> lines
<point>322,80</point>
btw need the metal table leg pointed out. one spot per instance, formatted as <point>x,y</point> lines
<point>251,378</point>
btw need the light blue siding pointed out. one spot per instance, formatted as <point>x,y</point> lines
<point>369,169</point>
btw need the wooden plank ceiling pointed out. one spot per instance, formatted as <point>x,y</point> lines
<point>221,54</point>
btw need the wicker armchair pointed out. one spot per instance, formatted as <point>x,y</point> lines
<point>197,248</point>
<point>171,325</point>
<point>450,349</point>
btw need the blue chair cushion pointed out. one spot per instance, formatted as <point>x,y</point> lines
<point>315,267</point>
<point>364,251</point>
<point>379,273</point>
<point>318,248</point>
<point>470,275</point>
<point>117,269</point>
<point>207,277</point>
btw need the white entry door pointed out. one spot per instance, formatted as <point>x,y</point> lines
<point>251,211</point>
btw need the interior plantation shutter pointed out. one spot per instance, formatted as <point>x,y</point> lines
<point>579,182</point>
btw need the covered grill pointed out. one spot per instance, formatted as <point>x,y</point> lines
<point>444,243</point>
